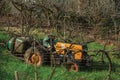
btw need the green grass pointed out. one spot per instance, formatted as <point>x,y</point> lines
<point>9,64</point>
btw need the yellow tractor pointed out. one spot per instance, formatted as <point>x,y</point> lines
<point>73,56</point>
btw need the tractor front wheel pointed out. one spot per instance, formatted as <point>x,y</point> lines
<point>71,66</point>
<point>33,57</point>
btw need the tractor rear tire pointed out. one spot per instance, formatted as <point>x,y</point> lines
<point>33,57</point>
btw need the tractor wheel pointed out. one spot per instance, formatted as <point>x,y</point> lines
<point>71,66</point>
<point>32,58</point>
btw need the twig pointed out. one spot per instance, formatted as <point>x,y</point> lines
<point>52,73</point>
<point>110,64</point>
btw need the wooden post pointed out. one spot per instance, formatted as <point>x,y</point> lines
<point>119,37</point>
<point>16,75</point>
<point>8,23</point>
<point>64,29</point>
<point>21,21</point>
<point>35,66</point>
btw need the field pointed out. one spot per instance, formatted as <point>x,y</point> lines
<point>9,64</point>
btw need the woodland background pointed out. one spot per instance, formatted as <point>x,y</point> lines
<point>75,21</point>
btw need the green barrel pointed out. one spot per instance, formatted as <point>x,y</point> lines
<point>21,44</point>
<point>10,44</point>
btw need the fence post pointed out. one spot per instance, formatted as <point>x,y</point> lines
<point>16,75</point>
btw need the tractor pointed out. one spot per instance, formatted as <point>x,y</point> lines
<point>72,55</point>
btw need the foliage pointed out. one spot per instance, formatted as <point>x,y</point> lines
<point>4,7</point>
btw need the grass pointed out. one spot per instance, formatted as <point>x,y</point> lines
<point>9,64</point>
